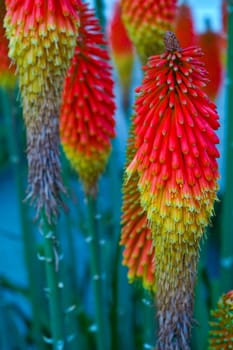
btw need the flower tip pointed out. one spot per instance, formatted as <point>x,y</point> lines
<point>171,42</point>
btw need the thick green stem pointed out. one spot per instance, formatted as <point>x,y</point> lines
<point>72,296</point>
<point>97,276</point>
<point>54,286</point>
<point>227,210</point>
<point>149,324</point>
<point>7,100</point>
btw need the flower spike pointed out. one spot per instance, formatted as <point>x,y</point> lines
<point>136,235</point>
<point>86,121</point>
<point>121,48</point>
<point>146,22</point>
<point>211,44</point>
<point>184,27</point>
<point>42,36</point>
<point>7,71</point>
<point>176,162</point>
<point>221,332</point>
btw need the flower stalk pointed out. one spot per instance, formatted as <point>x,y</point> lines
<point>86,129</point>
<point>97,276</point>
<point>54,285</point>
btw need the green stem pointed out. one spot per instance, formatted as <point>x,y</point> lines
<point>119,293</point>
<point>149,324</point>
<point>114,304</point>
<point>75,315</point>
<point>201,309</point>
<point>7,100</point>
<point>96,270</point>
<point>226,279</point>
<point>99,6</point>
<point>54,286</point>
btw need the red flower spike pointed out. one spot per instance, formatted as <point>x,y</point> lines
<point>7,71</point>
<point>221,332</point>
<point>211,44</point>
<point>175,161</point>
<point>184,27</point>
<point>86,121</point>
<point>121,48</point>
<point>146,22</point>
<point>138,254</point>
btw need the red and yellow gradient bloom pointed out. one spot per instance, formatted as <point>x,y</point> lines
<point>211,44</point>
<point>42,36</point>
<point>221,332</point>
<point>7,71</point>
<point>136,237</point>
<point>177,169</point>
<point>86,122</point>
<point>176,144</point>
<point>121,48</point>
<point>184,27</point>
<point>146,22</point>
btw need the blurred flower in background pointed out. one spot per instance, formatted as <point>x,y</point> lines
<point>210,42</point>
<point>122,51</point>
<point>146,22</point>
<point>221,328</point>
<point>184,25</point>
<point>7,69</point>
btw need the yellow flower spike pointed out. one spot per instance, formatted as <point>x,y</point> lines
<point>146,22</point>
<point>42,37</point>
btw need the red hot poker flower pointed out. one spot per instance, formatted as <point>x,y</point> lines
<point>146,22</point>
<point>178,172</point>
<point>121,48</point>
<point>42,36</point>
<point>211,44</point>
<point>136,236</point>
<point>86,121</point>
<point>184,27</point>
